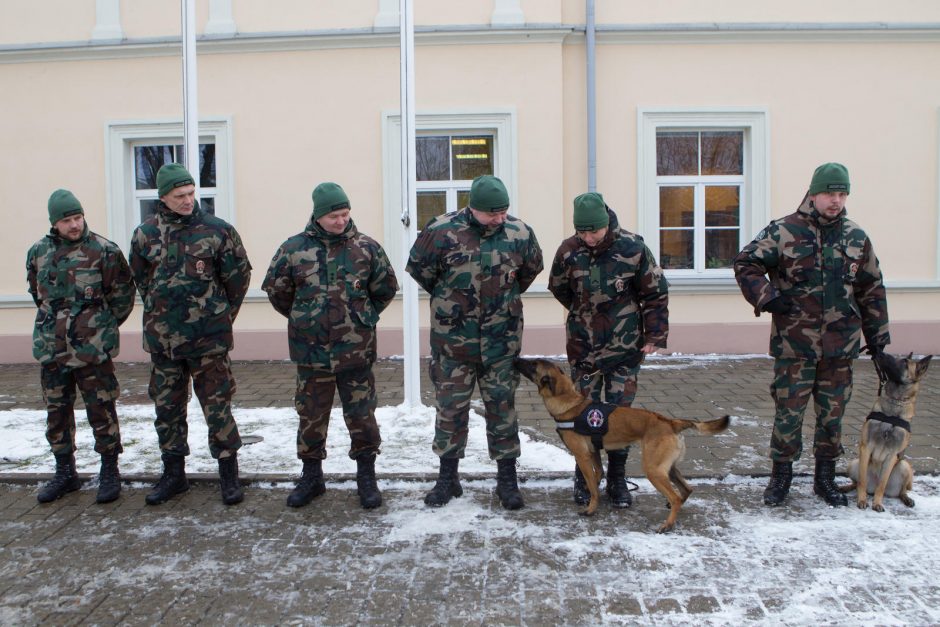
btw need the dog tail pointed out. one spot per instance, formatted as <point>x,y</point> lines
<point>707,427</point>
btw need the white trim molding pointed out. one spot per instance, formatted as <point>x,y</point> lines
<point>107,21</point>
<point>754,121</point>
<point>221,20</point>
<point>507,12</point>
<point>502,121</point>
<point>119,167</point>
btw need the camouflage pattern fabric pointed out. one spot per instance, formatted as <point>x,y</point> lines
<point>314,401</point>
<point>332,289</point>
<point>192,273</point>
<point>453,384</point>
<point>829,382</point>
<point>616,296</point>
<point>476,276</point>
<point>83,291</point>
<point>214,386</point>
<point>617,386</point>
<point>829,270</point>
<point>99,389</point>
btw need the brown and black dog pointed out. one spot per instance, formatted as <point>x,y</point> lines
<point>660,438</point>
<point>881,468</point>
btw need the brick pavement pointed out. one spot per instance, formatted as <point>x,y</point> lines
<point>194,561</point>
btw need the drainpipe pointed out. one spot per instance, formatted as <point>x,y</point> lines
<point>591,104</point>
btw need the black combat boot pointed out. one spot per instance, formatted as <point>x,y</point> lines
<point>172,482</point>
<point>369,495</point>
<point>824,483</point>
<point>109,479</point>
<point>228,480</point>
<point>309,486</point>
<point>64,481</point>
<point>617,490</point>
<point>507,489</point>
<point>581,494</point>
<point>447,486</point>
<point>779,486</point>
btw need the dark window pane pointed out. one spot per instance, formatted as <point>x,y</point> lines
<point>676,206</point>
<point>722,152</point>
<point>147,208</point>
<point>207,165</point>
<point>721,246</point>
<point>430,205</point>
<point>208,205</point>
<point>432,158</point>
<point>675,249</point>
<point>463,198</point>
<point>147,160</point>
<point>676,153</point>
<point>473,157</point>
<point>722,205</point>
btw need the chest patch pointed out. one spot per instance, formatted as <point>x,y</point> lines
<point>594,419</point>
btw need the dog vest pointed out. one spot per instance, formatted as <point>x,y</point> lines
<point>593,422</point>
<point>891,420</point>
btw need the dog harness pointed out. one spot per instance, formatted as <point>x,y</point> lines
<point>593,421</point>
<point>891,420</point>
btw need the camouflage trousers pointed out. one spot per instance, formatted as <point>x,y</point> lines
<point>314,401</point>
<point>829,382</point>
<point>214,384</point>
<point>99,389</point>
<point>454,382</point>
<point>618,386</point>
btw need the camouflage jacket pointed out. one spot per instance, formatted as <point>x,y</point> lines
<point>332,289</point>
<point>192,273</point>
<point>830,272</point>
<point>476,277</point>
<point>616,296</point>
<point>84,292</point>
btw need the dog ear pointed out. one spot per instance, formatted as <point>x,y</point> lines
<point>922,366</point>
<point>891,367</point>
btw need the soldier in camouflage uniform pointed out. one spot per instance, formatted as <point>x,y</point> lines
<point>83,289</point>
<point>476,263</point>
<point>816,272</point>
<point>618,312</point>
<point>332,282</point>
<point>192,273</point>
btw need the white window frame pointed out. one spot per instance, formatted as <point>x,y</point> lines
<point>120,139</point>
<point>755,186</point>
<point>500,122</point>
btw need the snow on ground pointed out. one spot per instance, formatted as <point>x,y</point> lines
<point>406,435</point>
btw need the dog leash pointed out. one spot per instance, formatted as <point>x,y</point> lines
<point>881,374</point>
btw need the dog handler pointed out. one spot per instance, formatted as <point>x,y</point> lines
<point>816,272</point>
<point>618,312</point>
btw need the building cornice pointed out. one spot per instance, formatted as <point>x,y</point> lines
<point>377,37</point>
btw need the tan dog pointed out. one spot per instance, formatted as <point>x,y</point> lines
<point>660,438</point>
<point>881,468</point>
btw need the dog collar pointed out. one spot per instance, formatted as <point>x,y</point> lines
<point>891,420</point>
<point>565,425</point>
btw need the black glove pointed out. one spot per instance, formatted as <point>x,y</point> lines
<point>780,305</point>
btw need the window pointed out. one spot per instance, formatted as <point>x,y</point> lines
<point>445,168</point>
<point>700,176</point>
<point>703,181</point>
<point>451,149</point>
<point>148,159</point>
<point>133,155</point>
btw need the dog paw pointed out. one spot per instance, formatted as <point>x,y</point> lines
<point>907,501</point>
<point>878,507</point>
<point>665,528</point>
<point>862,504</point>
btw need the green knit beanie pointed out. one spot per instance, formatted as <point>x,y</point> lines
<point>328,197</point>
<point>171,176</point>
<point>62,204</point>
<point>487,193</point>
<point>830,177</point>
<point>590,212</point>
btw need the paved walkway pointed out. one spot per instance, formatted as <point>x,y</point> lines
<point>730,561</point>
